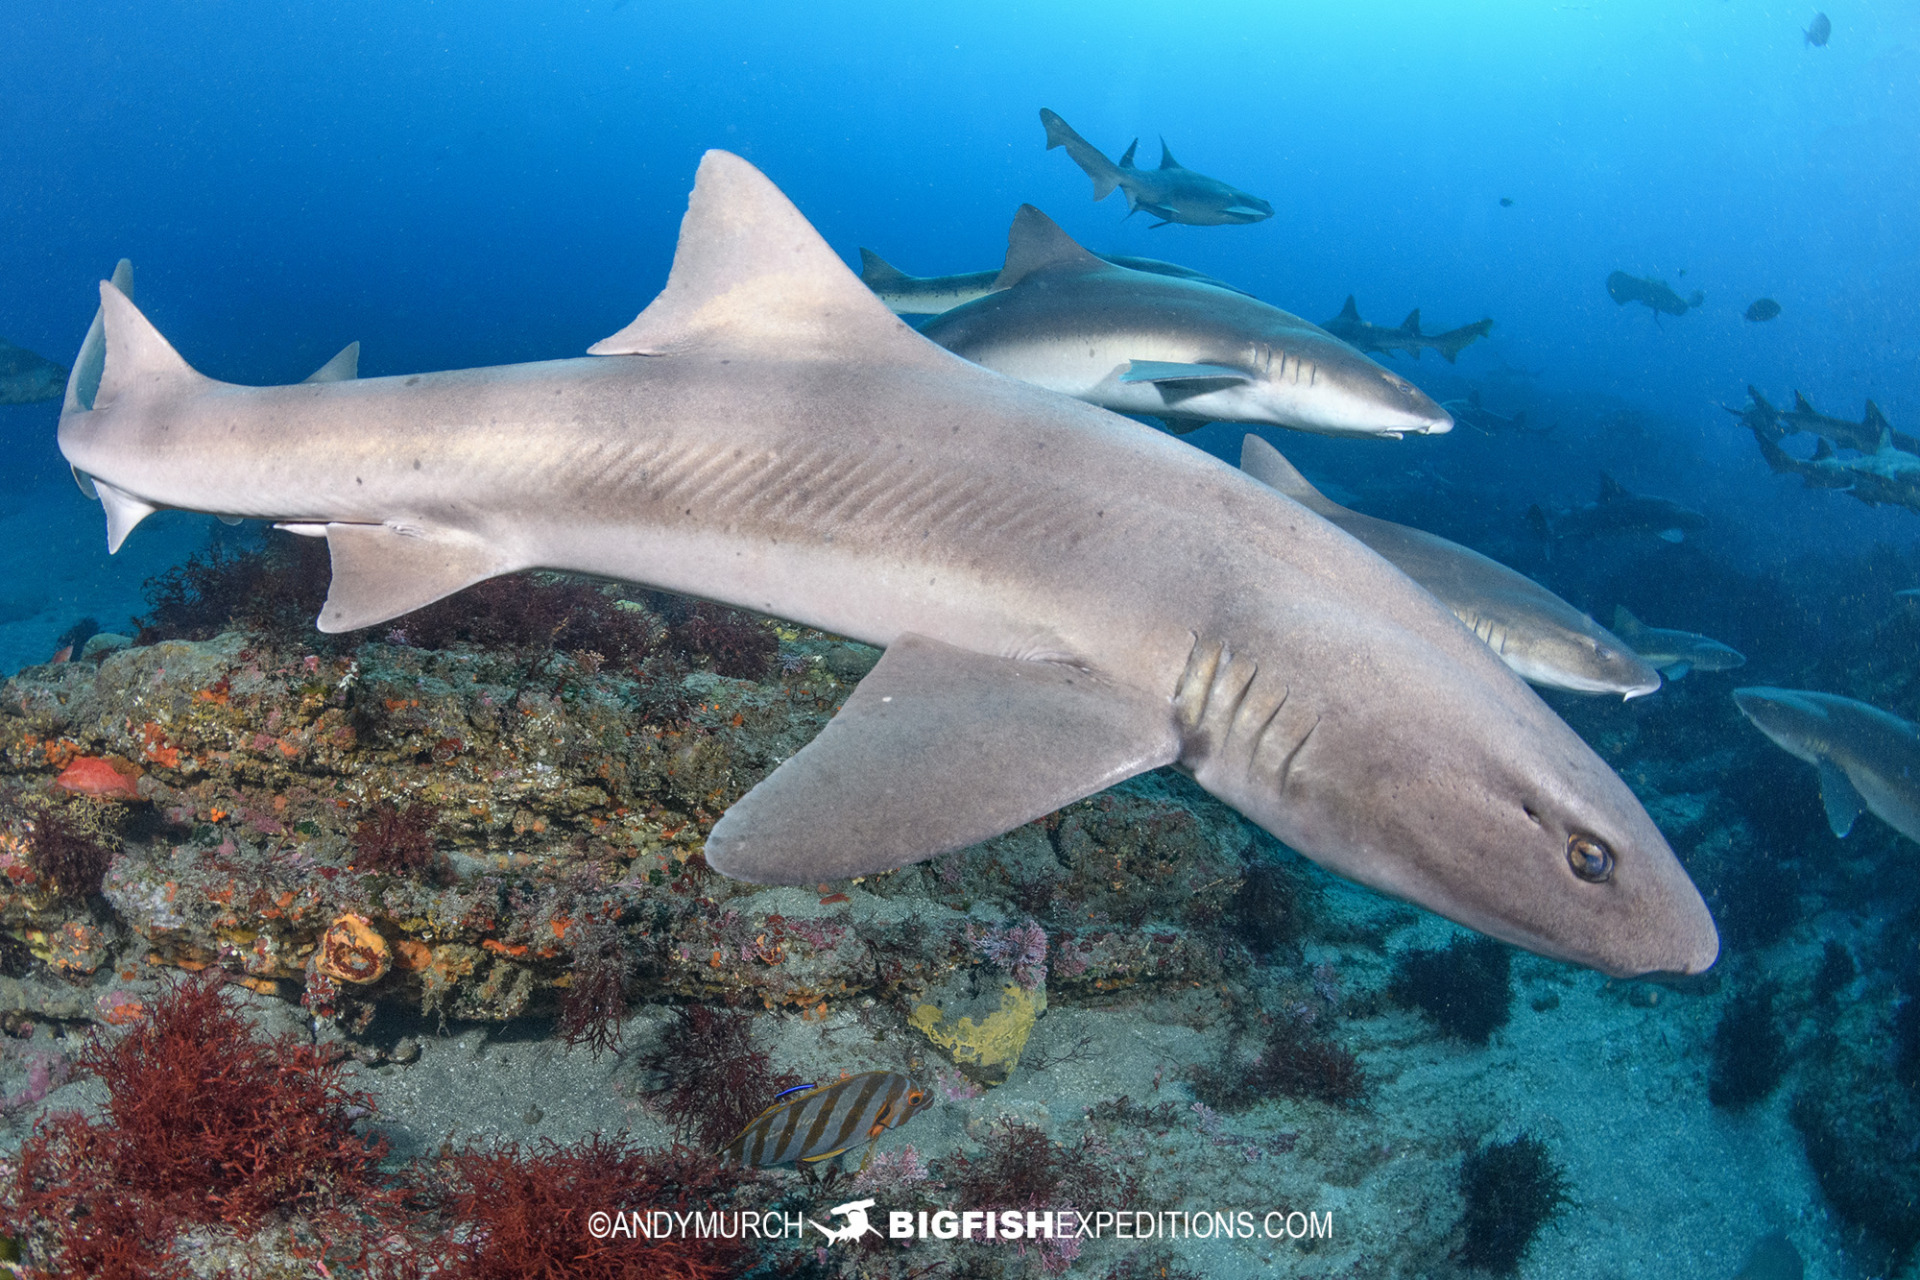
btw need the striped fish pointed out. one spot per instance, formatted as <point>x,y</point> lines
<point>818,1123</point>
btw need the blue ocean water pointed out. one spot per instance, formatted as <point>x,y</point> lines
<point>476,183</point>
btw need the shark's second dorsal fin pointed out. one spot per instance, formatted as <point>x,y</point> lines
<point>1802,405</point>
<point>1166,156</point>
<point>750,271</point>
<point>1411,325</point>
<point>877,273</point>
<point>1611,490</point>
<point>344,367</point>
<point>1035,241</point>
<point>1270,467</point>
<point>137,356</point>
<point>1625,625</point>
<point>1351,311</point>
<point>83,384</point>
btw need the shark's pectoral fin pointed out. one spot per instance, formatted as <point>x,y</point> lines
<point>1843,803</point>
<point>936,749</point>
<point>381,571</point>
<point>1164,371</point>
<point>1676,670</point>
<point>1673,535</point>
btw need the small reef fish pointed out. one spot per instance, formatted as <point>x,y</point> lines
<point>1172,193</point>
<point>1543,638</point>
<point>1763,309</point>
<point>1618,512</point>
<point>1657,294</point>
<point>101,777</point>
<point>814,1123</point>
<point>26,378</point>
<point>1178,350</point>
<point>1066,599</point>
<point>1773,1258</point>
<point>1674,653</point>
<point>1366,337</point>
<point>930,295</point>
<point>1867,758</point>
<point>1819,31</point>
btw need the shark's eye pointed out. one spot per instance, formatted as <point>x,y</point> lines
<point>1590,859</point>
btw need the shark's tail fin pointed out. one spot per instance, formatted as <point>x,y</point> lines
<point>83,384</point>
<point>1542,527</point>
<point>1451,343</point>
<point>1105,174</point>
<point>1126,158</point>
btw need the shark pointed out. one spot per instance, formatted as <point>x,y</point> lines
<point>1179,350</point>
<point>1867,758</point>
<point>26,378</point>
<point>1863,436</point>
<point>1543,638</point>
<point>1656,294</point>
<point>1065,598</point>
<point>1888,476</point>
<point>1471,412</point>
<point>1618,512</point>
<point>931,295</point>
<point>1674,653</point>
<point>1171,193</point>
<point>1368,338</point>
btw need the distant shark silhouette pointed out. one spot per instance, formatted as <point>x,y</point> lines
<point>1172,193</point>
<point>1367,337</point>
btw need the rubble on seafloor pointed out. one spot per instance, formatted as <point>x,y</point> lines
<point>489,839</point>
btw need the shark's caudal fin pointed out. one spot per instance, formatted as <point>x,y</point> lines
<point>1451,343</point>
<point>1541,526</point>
<point>1105,174</point>
<point>751,272</point>
<point>1166,156</point>
<point>1035,241</point>
<point>1349,312</point>
<point>1126,159</point>
<point>936,749</point>
<point>344,367</point>
<point>138,358</point>
<point>877,273</point>
<point>83,384</point>
<point>1270,467</point>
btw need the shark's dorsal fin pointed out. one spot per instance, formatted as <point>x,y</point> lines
<point>1611,490</point>
<point>1126,161</point>
<point>1350,312</point>
<point>83,384</point>
<point>1823,450</point>
<point>1270,467</point>
<point>344,367</point>
<point>1802,405</point>
<point>750,271</point>
<point>939,747</point>
<point>1625,625</point>
<point>1876,421</point>
<point>1035,241</point>
<point>1760,401</point>
<point>877,273</point>
<point>1166,156</point>
<point>1411,325</point>
<point>136,353</point>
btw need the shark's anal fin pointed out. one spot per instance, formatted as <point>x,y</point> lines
<point>938,748</point>
<point>381,571</point>
<point>1169,371</point>
<point>1843,803</point>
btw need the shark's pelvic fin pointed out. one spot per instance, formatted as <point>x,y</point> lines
<point>938,748</point>
<point>344,367</point>
<point>751,272</point>
<point>83,384</point>
<point>1035,241</point>
<point>381,571</point>
<point>136,353</point>
<point>124,511</point>
<point>1270,467</point>
<point>1837,794</point>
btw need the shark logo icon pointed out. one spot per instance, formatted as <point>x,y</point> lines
<point>855,1212</point>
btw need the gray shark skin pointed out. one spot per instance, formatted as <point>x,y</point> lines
<point>1655,294</point>
<point>1866,757</point>
<point>1174,349</point>
<point>1543,638</point>
<point>907,295</point>
<point>1885,477</point>
<point>1620,512</point>
<point>1674,653</point>
<point>1171,193</point>
<point>1368,338</point>
<point>26,378</point>
<point>1066,598</point>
